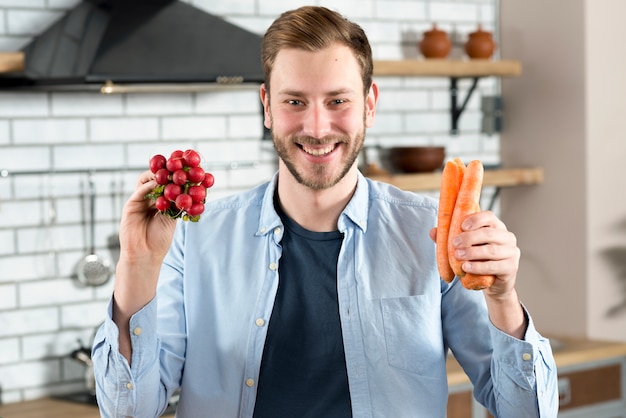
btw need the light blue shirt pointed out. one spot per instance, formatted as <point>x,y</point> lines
<point>205,330</point>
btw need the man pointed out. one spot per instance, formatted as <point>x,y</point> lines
<point>316,294</point>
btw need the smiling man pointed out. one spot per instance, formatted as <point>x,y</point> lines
<point>315,294</point>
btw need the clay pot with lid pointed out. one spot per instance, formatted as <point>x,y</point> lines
<point>480,44</point>
<point>435,43</point>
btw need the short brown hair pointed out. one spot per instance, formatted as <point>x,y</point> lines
<point>313,28</point>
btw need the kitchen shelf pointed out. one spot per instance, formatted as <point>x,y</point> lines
<point>447,68</point>
<point>11,62</point>
<point>493,177</point>
<point>454,69</point>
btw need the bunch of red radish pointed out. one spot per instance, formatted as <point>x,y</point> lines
<point>182,185</point>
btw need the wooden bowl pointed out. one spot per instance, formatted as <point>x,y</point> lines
<point>417,159</point>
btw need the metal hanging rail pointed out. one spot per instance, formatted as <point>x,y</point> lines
<point>233,165</point>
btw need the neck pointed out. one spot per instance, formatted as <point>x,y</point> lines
<point>315,210</point>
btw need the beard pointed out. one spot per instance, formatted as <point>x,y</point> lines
<point>320,176</point>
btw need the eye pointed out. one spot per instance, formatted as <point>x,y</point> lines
<point>337,101</point>
<point>294,102</point>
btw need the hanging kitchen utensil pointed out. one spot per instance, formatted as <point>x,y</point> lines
<point>46,242</point>
<point>93,270</point>
<point>113,241</point>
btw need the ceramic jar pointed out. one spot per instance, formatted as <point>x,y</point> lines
<point>435,43</point>
<point>480,44</point>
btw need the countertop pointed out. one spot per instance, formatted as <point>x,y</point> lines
<point>51,408</point>
<point>567,352</point>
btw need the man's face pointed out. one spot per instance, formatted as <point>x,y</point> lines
<point>318,113</point>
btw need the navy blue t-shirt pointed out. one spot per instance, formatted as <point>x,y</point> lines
<point>303,369</point>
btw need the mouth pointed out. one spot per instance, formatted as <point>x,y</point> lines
<point>319,150</point>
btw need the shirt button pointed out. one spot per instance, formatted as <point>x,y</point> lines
<point>137,331</point>
<point>276,231</point>
<point>273,266</point>
<point>526,356</point>
<point>129,386</point>
<point>259,322</point>
<point>249,382</point>
<point>262,230</point>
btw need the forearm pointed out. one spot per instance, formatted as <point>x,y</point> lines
<point>135,287</point>
<point>506,314</point>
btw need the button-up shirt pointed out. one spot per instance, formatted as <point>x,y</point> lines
<point>205,330</point>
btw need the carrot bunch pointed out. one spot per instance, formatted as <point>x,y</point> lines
<point>459,197</point>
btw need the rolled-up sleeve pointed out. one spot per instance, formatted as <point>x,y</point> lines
<point>124,390</point>
<point>524,374</point>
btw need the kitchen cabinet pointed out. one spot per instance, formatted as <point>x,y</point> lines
<point>593,389</point>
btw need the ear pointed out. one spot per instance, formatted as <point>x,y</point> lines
<point>370,104</point>
<point>265,99</point>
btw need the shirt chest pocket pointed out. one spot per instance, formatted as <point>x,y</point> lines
<point>413,335</point>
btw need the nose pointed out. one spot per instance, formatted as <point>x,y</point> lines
<point>317,121</point>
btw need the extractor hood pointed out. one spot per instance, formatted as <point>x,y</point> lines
<point>140,42</point>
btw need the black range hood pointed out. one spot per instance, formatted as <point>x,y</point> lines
<point>139,42</point>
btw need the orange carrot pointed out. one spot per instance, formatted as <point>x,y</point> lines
<point>467,203</point>
<point>477,281</point>
<point>451,178</point>
<point>460,163</point>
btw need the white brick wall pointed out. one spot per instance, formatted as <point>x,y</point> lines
<point>43,311</point>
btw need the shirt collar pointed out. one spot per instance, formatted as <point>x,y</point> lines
<point>356,211</point>
<point>358,207</point>
<point>269,219</point>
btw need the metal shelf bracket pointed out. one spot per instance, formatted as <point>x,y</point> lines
<point>455,109</point>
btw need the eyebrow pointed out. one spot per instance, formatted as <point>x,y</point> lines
<point>333,93</point>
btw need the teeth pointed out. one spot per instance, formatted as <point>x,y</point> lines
<point>318,151</point>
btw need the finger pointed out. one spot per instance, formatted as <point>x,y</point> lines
<point>485,236</point>
<point>433,234</point>
<point>481,220</point>
<point>498,268</point>
<point>488,252</point>
<point>144,177</point>
<point>145,184</point>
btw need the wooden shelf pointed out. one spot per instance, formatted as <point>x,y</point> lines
<point>11,62</point>
<point>447,68</point>
<point>432,181</point>
<point>454,70</point>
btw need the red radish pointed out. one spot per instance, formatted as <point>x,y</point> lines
<point>184,202</point>
<point>162,204</point>
<point>162,176</point>
<point>191,158</point>
<point>172,191</point>
<point>197,193</point>
<point>196,209</point>
<point>208,181</point>
<point>196,174</point>
<point>179,177</point>
<point>176,155</point>
<point>157,162</point>
<point>182,185</point>
<point>174,164</point>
